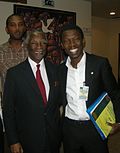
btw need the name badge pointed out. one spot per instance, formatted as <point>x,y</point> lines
<point>84,93</point>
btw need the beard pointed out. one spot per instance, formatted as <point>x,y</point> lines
<point>18,36</point>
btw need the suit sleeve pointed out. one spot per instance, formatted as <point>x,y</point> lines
<point>111,86</point>
<point>9,97</point>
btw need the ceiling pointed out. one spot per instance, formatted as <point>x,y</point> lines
<point>102,8</point>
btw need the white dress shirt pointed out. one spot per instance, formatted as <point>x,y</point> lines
<point>76,107</point>
<point>43,73</point>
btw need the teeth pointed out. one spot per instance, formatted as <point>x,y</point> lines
<point>73,50</point>
<point>38,52</point>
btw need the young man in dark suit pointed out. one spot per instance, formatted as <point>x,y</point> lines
<point>84,78</point>
<point>32,122</point>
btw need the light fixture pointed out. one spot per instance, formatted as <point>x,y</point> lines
<point>112,13</point>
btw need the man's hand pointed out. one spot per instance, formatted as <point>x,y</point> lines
<point>115,128</point>
<point>16,148</point>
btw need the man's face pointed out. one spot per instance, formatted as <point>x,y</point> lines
<point>16,27</point>
<point>73,44</point>
<point>37,47</point>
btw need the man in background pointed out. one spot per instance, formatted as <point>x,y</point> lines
<point>14,50</point>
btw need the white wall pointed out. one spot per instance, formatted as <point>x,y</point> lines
<point>81,7</point>
<point>105,39</point>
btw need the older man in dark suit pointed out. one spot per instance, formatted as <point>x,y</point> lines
<point>31,117</point>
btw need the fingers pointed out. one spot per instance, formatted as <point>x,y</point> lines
<point>110,124</point>
<point>115,128</point>
<point>16,148</point>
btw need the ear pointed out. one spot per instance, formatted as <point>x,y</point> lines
<point>62,45</point>
<point>84,42</point>
<point>6,29</point>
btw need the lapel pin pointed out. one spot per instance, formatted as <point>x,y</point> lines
<point>56,83</point>
<point>92,72</point>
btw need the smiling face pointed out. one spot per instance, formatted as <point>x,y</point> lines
<point>73,44</point>
<point>37,45</point>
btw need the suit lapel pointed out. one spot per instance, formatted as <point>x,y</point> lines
<point>49,74</point>
<point>89,72</point>
<point>29,76</point>
<point>50,81</point>
<point>65,77</point>
<point>64,70</point>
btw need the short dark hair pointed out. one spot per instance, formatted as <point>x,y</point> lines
<point>71,26</point>
<point>9,18</point>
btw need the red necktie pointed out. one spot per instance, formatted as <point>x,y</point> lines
<point>41,84</point>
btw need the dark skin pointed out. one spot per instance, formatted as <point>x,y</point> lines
<point>73,44</point>
<point>37,50</point>
<point>115,128</point>
<point>37,47</point>
<point>16,29</point>
<point>71,40</point>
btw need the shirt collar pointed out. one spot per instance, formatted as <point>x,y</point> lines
<point>33,64</point>
<point>8,42</point>
<point>82,61</point>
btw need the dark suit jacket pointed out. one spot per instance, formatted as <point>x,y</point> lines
<point>1,137</point>
<point>99,78</point>
<point>26,119</point>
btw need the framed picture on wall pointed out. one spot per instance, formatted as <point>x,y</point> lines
<point>51,22</point>
<point>16,1</point>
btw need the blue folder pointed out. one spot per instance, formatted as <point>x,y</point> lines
<point>97,110</point>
